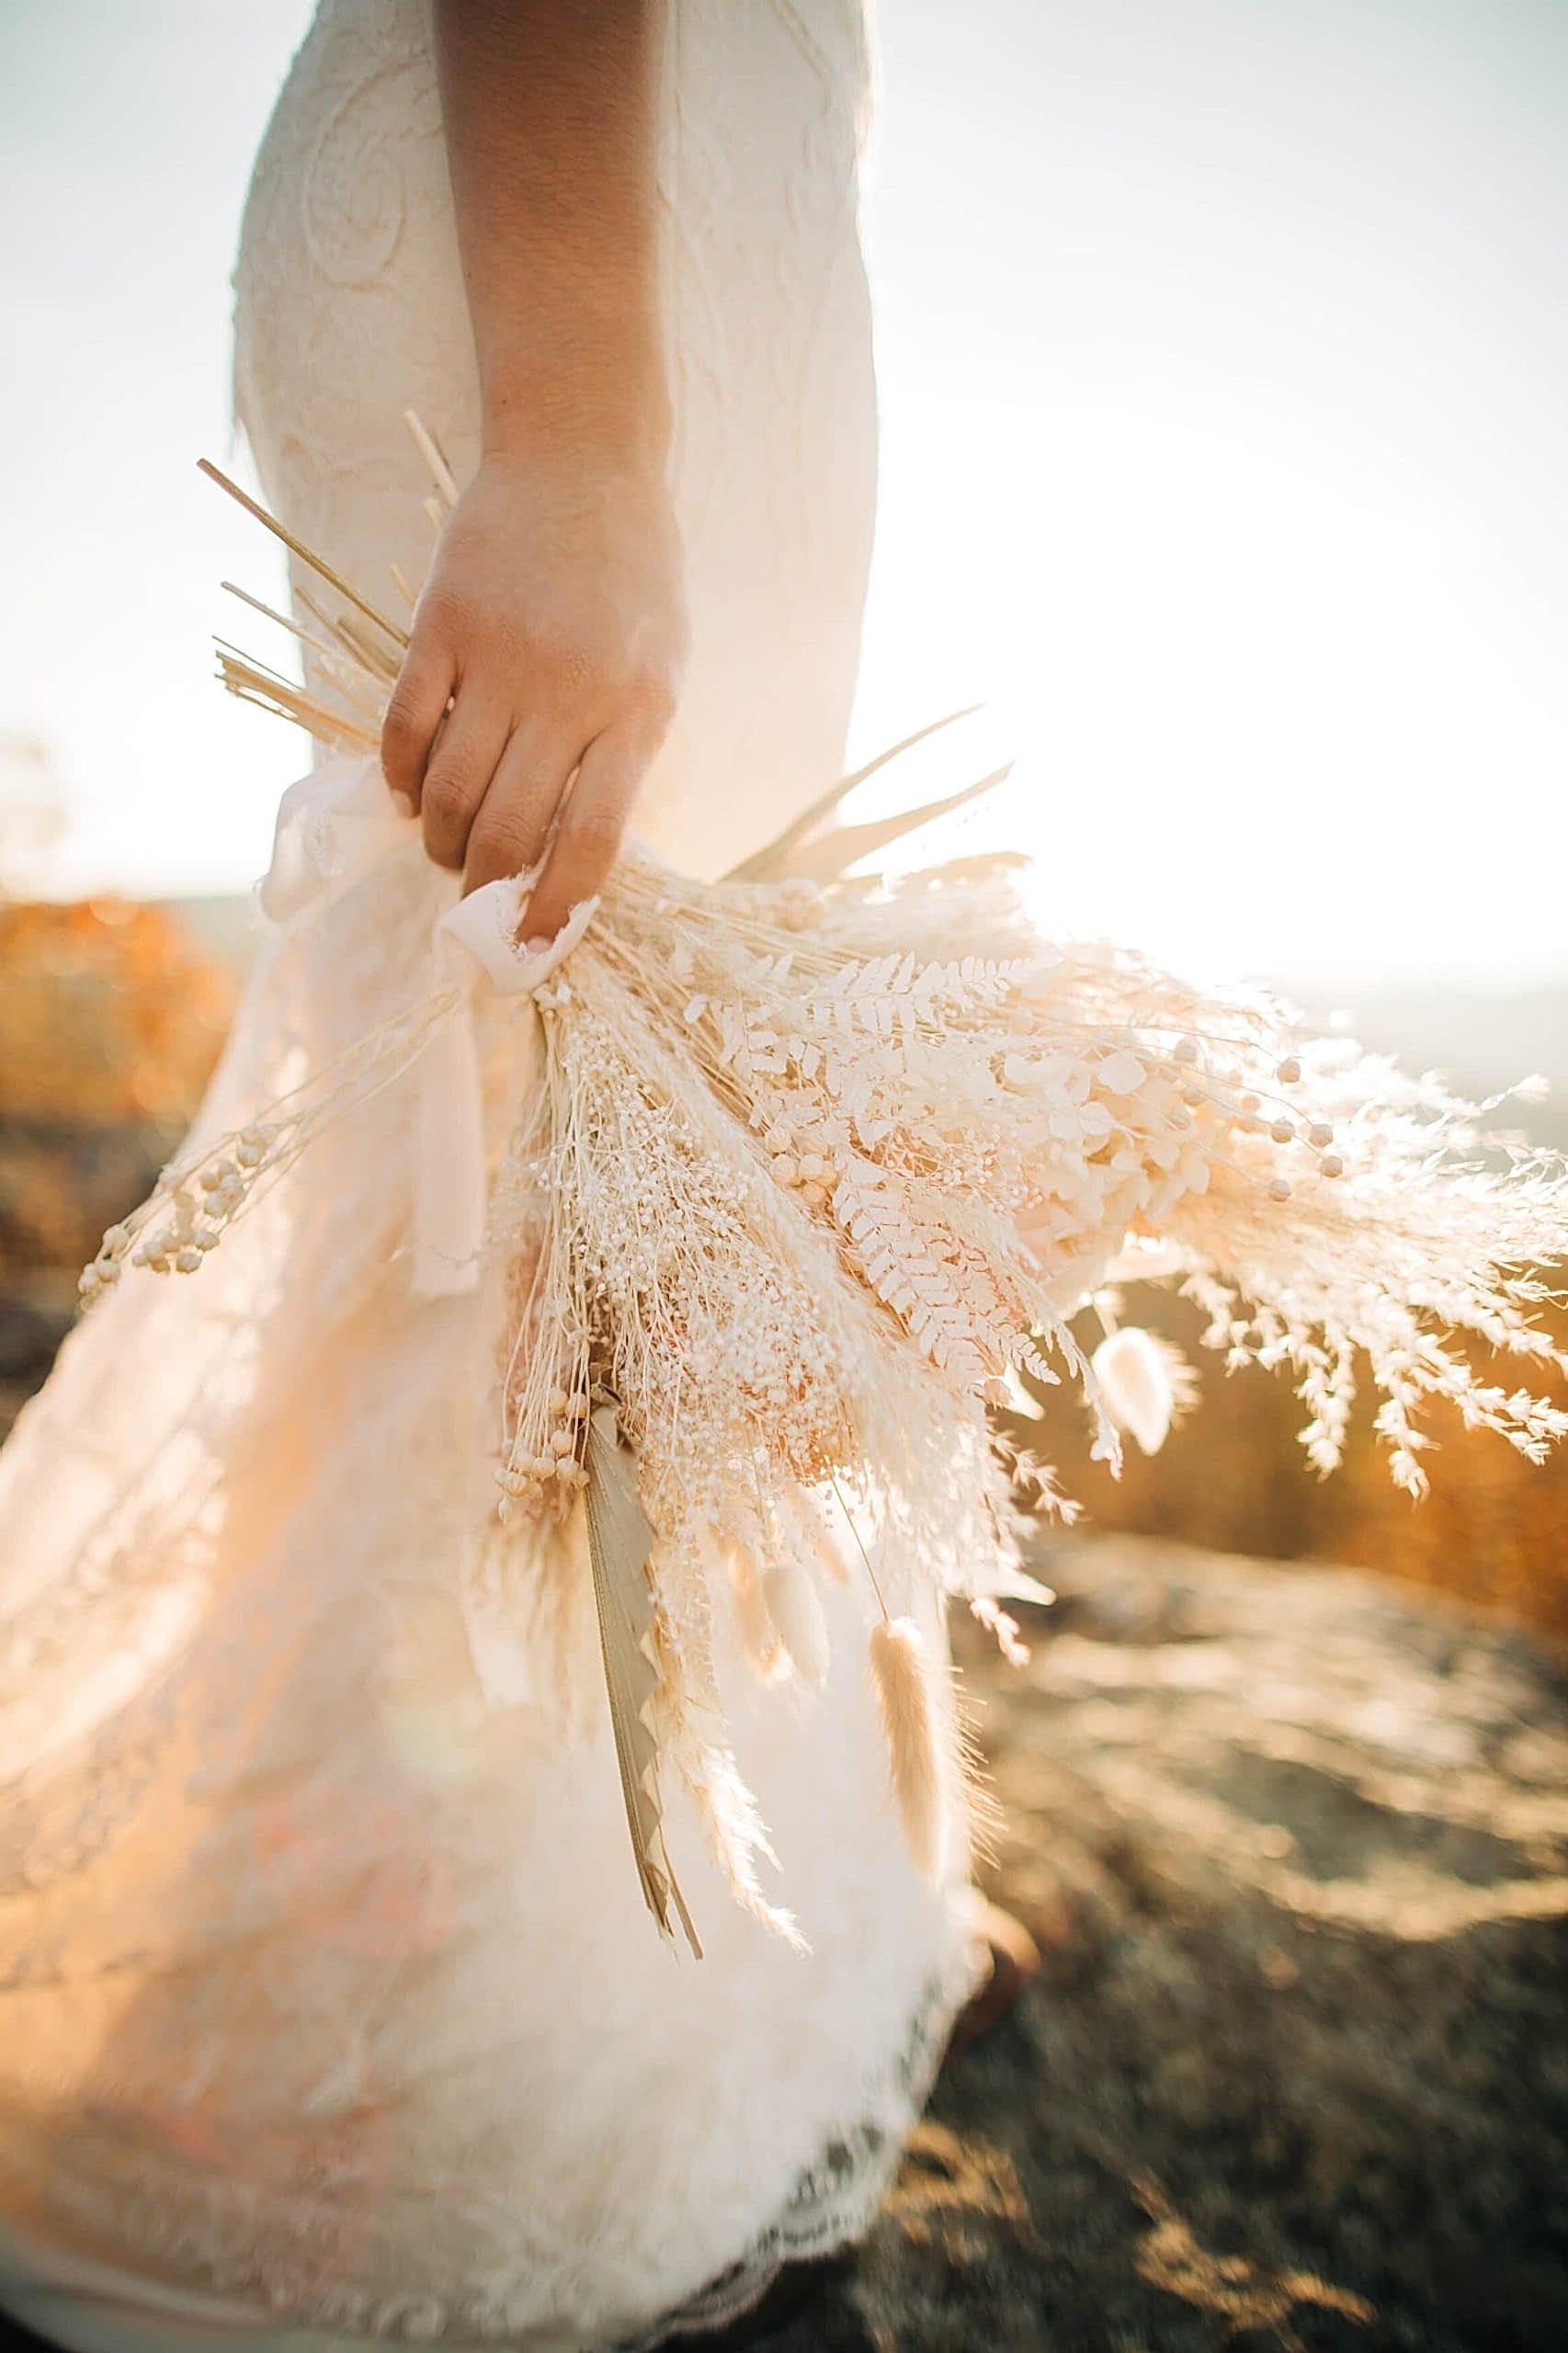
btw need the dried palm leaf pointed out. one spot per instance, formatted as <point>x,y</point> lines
<point>774,858</point>
<point>832,854</point>
<point>620,1540</point>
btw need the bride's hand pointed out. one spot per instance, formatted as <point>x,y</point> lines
<point>553,623</point>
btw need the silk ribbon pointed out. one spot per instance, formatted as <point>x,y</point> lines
<point>334,826</point>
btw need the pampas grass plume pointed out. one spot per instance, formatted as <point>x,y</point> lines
<point>735,1837</point>
<point>901,1669</point>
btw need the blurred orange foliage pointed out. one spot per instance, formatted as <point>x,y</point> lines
<point>110,1021</point>
<point>108,1014</point>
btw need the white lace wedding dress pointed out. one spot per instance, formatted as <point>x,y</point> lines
<point>329,2008</point>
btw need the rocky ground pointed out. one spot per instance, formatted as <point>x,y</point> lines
<point>1295,2074</point>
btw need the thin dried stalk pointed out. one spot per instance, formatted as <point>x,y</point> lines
<point>370,655</point>
<point>249,684</point>
<point>431,451</point>
<point>306,554</point>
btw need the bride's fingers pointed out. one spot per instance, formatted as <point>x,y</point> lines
<point>414,716</point>
<point>589,837</point>
<point>525,792</point>
<point>458,774</point>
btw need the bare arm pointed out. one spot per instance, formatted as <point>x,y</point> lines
<point>552,616</point>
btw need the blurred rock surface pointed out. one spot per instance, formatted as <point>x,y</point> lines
<point>1295,2076</point>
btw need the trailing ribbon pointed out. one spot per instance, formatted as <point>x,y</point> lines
<point>334,826</point>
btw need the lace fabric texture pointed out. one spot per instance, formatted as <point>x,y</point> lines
<point>331,2010</point>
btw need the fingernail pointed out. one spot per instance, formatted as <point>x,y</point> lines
<point>404,804</point>
<point>536,945</point>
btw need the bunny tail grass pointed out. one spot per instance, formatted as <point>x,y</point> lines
<point>760,1637</point>
<point>901,1669</point>
<point>796,1612</point>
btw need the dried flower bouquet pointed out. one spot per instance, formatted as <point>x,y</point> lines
<point>814,1165</point>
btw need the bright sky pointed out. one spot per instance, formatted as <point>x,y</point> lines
<point>1224,371</point>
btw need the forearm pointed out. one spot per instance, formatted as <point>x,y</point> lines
<point>546,649</point>
<point>549,107</point>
